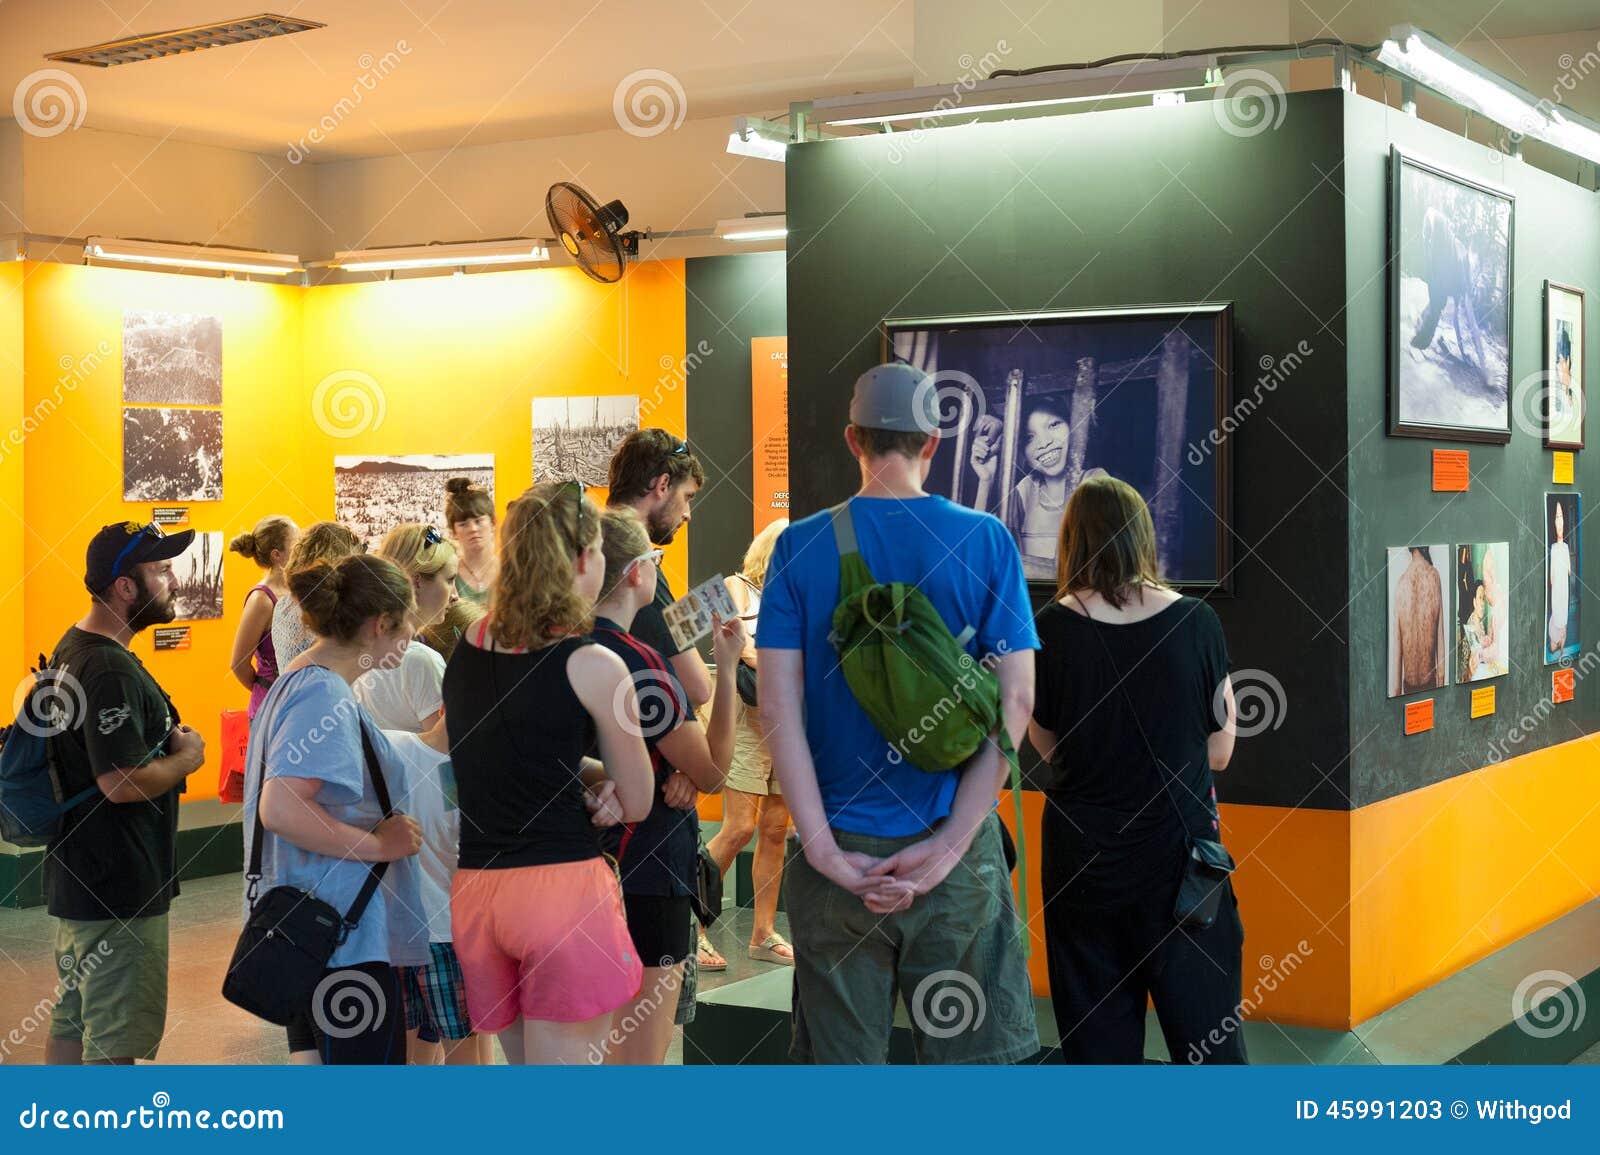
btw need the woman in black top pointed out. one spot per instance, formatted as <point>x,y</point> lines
<point>535,910</point>
<point>1134,711</point>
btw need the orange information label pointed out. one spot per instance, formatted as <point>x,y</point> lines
<point>769,412</point>
<point>1561,470</point>
<point>1450,471</point>
<point>1419,716</point>
<point>1563,683</point>
<point>1483,702</point>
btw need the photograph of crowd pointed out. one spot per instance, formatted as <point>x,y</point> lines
<point>171,358</point>
<point>374,493</point>
<point>172,455</point>
<point>574,437</point>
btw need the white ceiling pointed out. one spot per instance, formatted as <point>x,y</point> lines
<point>461,72</point>
<point>471,72</point>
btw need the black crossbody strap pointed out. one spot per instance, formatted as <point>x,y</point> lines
<point>1160,766</point>
<point>379,787</point>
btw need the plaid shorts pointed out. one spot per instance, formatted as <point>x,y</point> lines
<point>436,997</point>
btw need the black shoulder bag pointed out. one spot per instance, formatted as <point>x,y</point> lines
<point>290,935</point>
<point>1208,864</point>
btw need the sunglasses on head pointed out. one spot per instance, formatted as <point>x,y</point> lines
<point>431,536</point>
<point>577,488</point>
<point>151,530</point>
<point>653,556</point>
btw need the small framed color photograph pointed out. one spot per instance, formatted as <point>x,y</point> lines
<point>1564,350</point>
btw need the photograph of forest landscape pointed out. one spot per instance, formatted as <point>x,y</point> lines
<point>198,573</point>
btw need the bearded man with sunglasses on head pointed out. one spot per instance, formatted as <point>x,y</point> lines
<point>110,874</point>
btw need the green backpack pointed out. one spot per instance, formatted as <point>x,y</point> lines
<point>926,695</point>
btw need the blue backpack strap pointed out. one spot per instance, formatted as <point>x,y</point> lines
<point>844,529</point>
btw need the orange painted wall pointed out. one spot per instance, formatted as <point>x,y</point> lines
<point>1443,876</point>
<point>13,437</point>
<point>458,361</point>
<point>74,461</point>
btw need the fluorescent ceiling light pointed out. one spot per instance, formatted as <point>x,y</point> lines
<point>761,139</point>
<point>1426,59</point>
<point>179,256</point>
<point>157,44</point>
<point>516,251</point>
<point>1110,84</point>
<point>761,227</point>
<point>939,112</point>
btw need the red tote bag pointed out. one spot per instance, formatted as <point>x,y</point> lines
<point>235,737</point>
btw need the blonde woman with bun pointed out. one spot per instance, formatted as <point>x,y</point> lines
<point>535,909</point>
<point>254,661</point>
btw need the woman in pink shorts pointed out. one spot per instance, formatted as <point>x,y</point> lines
<point>535,909</point>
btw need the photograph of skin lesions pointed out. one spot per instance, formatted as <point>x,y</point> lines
<point>1419,611</point>
<point>1563,519</point>
<point>1483,611</point>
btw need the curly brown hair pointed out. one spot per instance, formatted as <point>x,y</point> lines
<point>544,531</point>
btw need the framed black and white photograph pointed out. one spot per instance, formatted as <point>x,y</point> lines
<point>171,358</point>
<point>171,454</point>
<point>1565,348</point>
<point>1032,404</point>
<point>376,492</point>
<point>574,437</point>
<point>198,573</point>
<point>1450,285</point>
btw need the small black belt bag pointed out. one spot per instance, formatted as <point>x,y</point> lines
<point>291,935</point>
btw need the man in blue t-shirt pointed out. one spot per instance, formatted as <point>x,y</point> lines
<point>900,882</point>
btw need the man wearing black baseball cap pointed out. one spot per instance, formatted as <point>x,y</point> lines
<point>111,873</point>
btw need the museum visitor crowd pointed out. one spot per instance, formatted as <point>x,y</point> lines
<point>482,747</point>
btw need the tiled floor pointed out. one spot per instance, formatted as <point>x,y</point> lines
<point>201,1027</point>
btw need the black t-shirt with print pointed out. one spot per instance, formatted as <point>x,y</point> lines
<point>111,859</point>
<point>1112,829</point>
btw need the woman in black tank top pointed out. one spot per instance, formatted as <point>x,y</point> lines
<point>536,910</point>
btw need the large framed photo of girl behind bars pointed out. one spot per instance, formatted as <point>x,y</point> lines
<point>1031,404</point>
